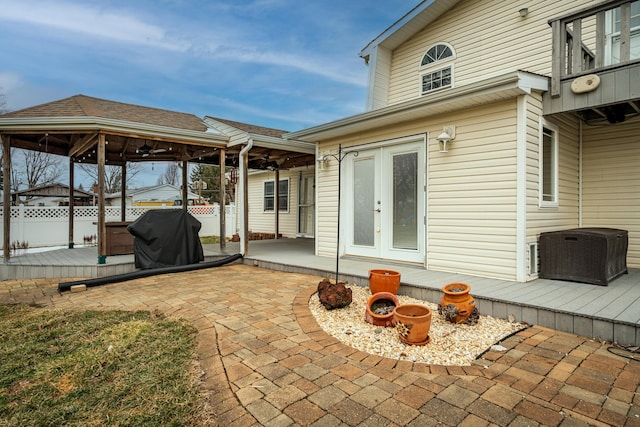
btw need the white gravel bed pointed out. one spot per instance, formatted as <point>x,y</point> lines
<point>450,344</point>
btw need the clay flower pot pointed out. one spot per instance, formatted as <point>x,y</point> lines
<point>456,294</point>
<point>413,322</point>
<point>381,299</point>
<point>384,281</point>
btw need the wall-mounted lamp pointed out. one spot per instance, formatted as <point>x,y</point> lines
<point>322,162</point>
<point>448,134</point>
<point>523,12</point>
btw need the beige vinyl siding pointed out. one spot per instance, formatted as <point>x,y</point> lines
<point>566,214</point>
<point>327,202</point>
<point>471,220</point>
<point>611,181</point>
<point>471,207</point>
<point>489,37</point>
<point>265,222</point>
<point>381,67</point>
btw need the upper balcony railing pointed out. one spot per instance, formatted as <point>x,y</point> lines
<point>602,37</point>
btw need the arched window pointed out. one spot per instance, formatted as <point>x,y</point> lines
<point>437,75</point>
<point>439,52</point>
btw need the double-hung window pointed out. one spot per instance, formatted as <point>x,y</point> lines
<point>269,204</point>
<point>436,68</point>
<point>548,165</point>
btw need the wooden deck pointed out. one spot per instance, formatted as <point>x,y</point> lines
<point>610,313</point>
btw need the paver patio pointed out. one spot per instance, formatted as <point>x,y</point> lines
<point>267,362</point>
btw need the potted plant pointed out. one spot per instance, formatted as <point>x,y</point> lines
<point>456,305</point>
<point>379,311</point>
<point>384,281</point>
<point>413,322</point>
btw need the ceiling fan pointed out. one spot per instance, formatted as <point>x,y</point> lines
<point>146,150</point>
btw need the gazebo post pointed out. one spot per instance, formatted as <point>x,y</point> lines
<point>71,201</point>
<point>6,195</point>
<point>102,229</point>
<point>123,194</point>
<point>276,204</point>
<point>245,205</point>
<point>185,169</point>
<point>223,202</point>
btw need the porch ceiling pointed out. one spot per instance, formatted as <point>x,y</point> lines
<point>613,113</point>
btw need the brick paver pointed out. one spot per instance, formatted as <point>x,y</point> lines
<point>267,362</point>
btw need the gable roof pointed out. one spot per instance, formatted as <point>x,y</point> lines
<point>54,189</point>
<point>409,25</point>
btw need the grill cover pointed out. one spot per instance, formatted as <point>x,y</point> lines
<point>166,237</point>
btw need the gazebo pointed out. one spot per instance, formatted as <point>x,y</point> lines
<point>104,132</point>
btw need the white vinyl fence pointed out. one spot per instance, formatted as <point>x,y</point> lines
<point>49,226</point>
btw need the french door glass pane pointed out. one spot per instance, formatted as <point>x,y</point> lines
<point>363,202</point>
<point>306,209</point>
<point>405,201</point>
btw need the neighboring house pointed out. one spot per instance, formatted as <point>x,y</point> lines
<point>54,194</point>
<point>474,141</point>
<point>274,163</point>
<point>158,195</point>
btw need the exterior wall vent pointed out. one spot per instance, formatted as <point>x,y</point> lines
<point>533,259</point>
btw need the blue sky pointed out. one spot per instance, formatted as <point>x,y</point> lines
<point>287,64</point>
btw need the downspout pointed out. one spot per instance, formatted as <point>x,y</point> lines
<point>244,162</point>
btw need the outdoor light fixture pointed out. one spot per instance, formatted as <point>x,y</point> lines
<point>523,12</point>
<point>448,133</point>
<point>322,162</point>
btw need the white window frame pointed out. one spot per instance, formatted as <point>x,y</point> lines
<point>437,66</point>
<point>450,67</point>
<point>264,195</point>
<point>553,203</point>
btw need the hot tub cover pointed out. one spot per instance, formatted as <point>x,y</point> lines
<point>166,237</point>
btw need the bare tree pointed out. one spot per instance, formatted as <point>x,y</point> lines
<point>41,168</point>
<point>112,175</point>
<point>171,175</point>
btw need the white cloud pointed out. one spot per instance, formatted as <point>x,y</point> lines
<point>9,81</point>
<point>231,41</point>
<point>327,67</point>
<point>91,22</point>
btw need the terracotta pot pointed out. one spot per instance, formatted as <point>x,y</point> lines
<point>413,322</point>
<point>458,295</point>
<point>384,281</point>
<point>385,320</point>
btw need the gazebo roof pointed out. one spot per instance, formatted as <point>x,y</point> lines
<point>70,127</point>
<point>86,106</point>
<point>134,133</point>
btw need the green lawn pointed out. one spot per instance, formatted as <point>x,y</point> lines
<point>207,240</point>
<point>96,368</point>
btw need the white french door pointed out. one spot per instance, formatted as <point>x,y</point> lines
<point>384,215</point>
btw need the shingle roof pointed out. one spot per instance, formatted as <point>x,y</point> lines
<point>86,106</point>
<point>259,130</point>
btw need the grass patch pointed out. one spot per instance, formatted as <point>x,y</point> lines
<point>96,368</point>
<point>208,240</point>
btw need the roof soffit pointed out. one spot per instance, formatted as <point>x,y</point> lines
<point>409,25</point>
